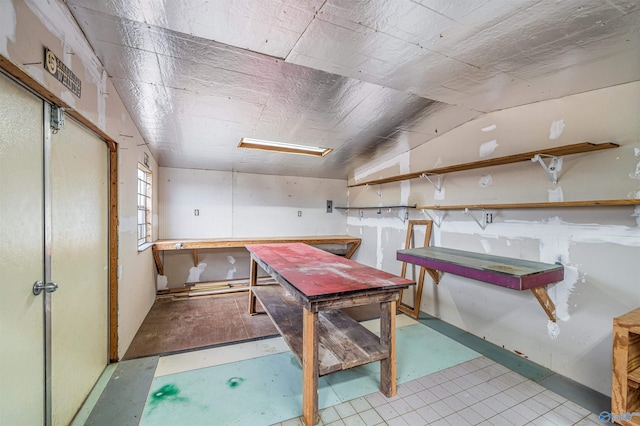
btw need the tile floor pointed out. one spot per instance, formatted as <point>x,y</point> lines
<point>476,392</point>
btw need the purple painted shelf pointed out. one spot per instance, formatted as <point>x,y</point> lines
<point>506,272</point>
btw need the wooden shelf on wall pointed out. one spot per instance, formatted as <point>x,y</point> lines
<point>577,148</point>
<point>553,204</point>
<point>516,274</point>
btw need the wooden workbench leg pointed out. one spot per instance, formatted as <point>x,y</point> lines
<point>309,367</point>
<point>352,249</point>
<point>253,278</point>
<point>388,339</point>
<point>545,301</point>
<point>156,258</point>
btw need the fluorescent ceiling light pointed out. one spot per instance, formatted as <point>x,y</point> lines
<point>288,148</point>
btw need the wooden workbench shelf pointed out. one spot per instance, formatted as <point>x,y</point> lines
<point>342,342</point>
<point>577,148</point>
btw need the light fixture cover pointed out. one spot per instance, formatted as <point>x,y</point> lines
<point>288,148</point>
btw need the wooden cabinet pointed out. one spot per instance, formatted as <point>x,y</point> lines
<point>625,391</point>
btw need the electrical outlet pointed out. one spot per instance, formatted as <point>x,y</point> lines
<point>329,206</point>
<point>299,213</point>
<point>489,217</point>
<point>196,212</point>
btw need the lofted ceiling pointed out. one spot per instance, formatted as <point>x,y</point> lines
<point>370,79</point>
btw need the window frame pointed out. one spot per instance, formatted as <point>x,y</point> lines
<point>144,202</point>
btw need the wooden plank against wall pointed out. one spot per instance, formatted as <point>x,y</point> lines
<point>113,255</point>
<point>417,294</point>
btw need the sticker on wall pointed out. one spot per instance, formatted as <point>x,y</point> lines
<point>485,181</point>
<point>487,148</point>
<point>195,272</point>
<point>553,329</point>
<point>557,127</point>
<point>636,175</point>
<point>555,195</point>
<point>231,272</point>
<point>560,292</point>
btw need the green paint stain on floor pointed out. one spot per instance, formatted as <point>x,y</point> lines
<point>168,392</point>
<point>234,382</point>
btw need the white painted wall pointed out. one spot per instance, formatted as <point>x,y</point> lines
<point>599,247</point>
<point>240,205</point>
<point>27,26</point>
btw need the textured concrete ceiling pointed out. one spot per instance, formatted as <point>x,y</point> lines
<point>370,79</point>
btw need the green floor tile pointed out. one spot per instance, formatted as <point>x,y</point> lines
<point>268,389</point>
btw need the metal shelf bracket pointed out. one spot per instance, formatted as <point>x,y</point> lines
<point>482,223</point>
<point>552,168</point>
<point>437,186</point>
<point>404,214</point>
<point>440,215</point>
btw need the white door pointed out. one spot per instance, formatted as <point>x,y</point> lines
<point>21,257</point>
<point>79,265</point>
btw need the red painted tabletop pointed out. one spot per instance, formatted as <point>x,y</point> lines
<point>316,273</point>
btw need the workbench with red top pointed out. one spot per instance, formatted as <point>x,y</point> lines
<point>305,308</point>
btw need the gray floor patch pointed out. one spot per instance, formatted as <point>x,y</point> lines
<point>122,401</point>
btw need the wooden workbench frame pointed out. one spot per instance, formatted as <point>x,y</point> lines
<point>166,245</point>
<point>323,338</point>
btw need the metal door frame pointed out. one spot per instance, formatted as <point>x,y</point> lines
<point>46,299</point>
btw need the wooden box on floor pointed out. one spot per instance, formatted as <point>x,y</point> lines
<point>625,392</point>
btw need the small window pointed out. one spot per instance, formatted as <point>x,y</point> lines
<point>144,205</point>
